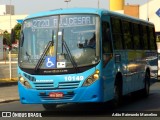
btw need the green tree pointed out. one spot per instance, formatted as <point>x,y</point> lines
<point>17,30</point>
<point>6,38</point>
<point>15,36</point>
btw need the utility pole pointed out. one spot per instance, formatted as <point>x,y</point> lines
<point>67,2</point>
<point>147,10</point>
<point>10,71</point>
<point>98,3</point>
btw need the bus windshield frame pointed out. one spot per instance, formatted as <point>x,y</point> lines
<point>74,42</point>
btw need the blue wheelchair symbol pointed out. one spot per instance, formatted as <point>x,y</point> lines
<point>50,62</point>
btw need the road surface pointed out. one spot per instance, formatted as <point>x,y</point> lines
<point>134,104</point>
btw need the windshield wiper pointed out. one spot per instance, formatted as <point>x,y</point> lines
<point>43,55</point>
<point>68,52</point>
<point>50,43</point>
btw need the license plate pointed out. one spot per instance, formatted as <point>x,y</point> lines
<point>56,94</point>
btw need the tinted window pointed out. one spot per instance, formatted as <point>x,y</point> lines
<point>117,33</point>
<point>152,38</point>
<point>145,39</point>
<point>106,38</point>
<point>136,36</point>
<point>127,34</point>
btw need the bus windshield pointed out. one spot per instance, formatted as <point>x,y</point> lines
<point>62,41</point>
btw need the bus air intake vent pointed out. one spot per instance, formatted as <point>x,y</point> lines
<point>44,85</point>
<point>68,85</point>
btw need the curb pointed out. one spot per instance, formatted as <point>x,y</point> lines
<point>5,84</point>
<point>8,100</point>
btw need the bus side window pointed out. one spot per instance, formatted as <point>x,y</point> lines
<point>136,37</point>
<point>118,42</point>
<point>127,34</point>
<point>152,38</point>
<point>106,43</point>
<point>145,39</point>
<point>106,38</point>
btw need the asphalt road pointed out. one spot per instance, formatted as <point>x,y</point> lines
<point>135,104</point>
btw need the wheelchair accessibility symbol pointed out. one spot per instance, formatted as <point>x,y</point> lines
<point>50,62</point>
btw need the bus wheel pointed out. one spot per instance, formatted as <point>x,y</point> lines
<point>146,89</point>
<point>117,94</point>
<point>49,106</point>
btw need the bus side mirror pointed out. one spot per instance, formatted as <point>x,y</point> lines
<point>21,39</point>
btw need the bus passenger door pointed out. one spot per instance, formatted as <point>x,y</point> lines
<point>108,62</point>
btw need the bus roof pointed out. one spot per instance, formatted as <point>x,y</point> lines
<point>85,11</point>
<point>66,11</point>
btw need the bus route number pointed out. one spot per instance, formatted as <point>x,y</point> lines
<point>41,23</point>
<point>74,78</point>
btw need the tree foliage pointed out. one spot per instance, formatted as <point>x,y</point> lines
<point>17,30</point>
<point>8,38</point>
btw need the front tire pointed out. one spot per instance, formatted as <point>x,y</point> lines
<point>117,94</point>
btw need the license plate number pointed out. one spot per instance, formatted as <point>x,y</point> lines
<point>56,95</point>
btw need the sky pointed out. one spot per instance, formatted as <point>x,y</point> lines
<point>33,6</point>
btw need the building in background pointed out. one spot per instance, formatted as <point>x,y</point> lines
<point>132,10</point>
<point>150,11</point>
<point>7,22</point>
<point>6,9</point>
<point>7,18</point>
<point>115,5</point>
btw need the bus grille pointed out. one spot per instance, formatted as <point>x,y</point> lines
<point>51,86</point>
<point>44,86</point>
<point>68,85</point>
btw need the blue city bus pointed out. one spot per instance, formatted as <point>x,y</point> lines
<point>83,55</point>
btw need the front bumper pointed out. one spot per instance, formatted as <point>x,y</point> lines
<point>87,94</point>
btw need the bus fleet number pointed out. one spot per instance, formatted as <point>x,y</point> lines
<point>74,78</point>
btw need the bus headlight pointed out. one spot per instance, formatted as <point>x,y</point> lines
<point>24,82</point>
<point>91,79</point>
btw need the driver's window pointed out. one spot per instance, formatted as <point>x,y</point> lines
<point>106,43</point>
<point>106,38</point>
